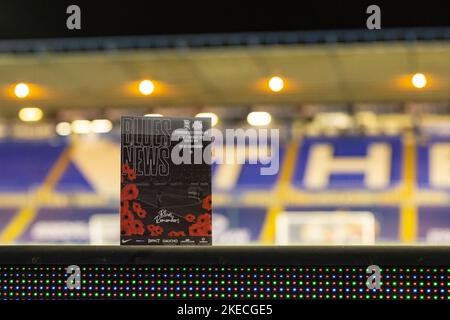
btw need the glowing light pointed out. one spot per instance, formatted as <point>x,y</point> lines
<point>276,84</point>
<point>30,114</point>
<point>63,128</point>
<point>419,80</point>
<point>153,115</point>
<point>259,118</point>
<point>21,90</point>
<point>101,126</point>
<point>146,87</point>
<point>81,126</point>
<point>213,116</point>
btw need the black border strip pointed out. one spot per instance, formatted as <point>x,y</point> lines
<point>222,255</point>
<point>222,40</point>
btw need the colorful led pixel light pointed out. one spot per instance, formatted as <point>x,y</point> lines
<point>228,282</point>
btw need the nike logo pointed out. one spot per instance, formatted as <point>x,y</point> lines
<point>126,240</point>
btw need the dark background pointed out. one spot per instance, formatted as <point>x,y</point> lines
<point>47,18</point>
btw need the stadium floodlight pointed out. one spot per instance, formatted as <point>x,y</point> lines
<point>101,126</point>
<point>259,118</point>
<point>81,126</point>
<point>276,84</point>
<point>419,80</point>
<point>30,114</point>
<point>213,116</point>
<point>63,129</point>
<point>21,90</point>
<point>146,87</point>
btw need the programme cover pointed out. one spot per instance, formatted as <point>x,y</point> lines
<point>165,181</point>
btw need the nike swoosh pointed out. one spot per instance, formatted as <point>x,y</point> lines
<point>126,240</point>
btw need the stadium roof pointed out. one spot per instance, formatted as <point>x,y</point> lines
<point>315,72</point>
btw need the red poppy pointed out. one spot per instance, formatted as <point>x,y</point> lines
<point>189,217</point>
<point>129,192</point>
<point>124,206</point>
<point>158,230</point>
<point>126,168</point>
<point>155,230</point>
<point>207,203</point>
<point>174,233</point>
<point>131,175</point>
<point>207,230</point>
<point>204,219</point>
<point>136,206</point>
<point>127,216</point>
<point>142,213</point>
<point>126,227</point>
<point>203,230</point>
<point>196,230</point>
<point>138,227</point>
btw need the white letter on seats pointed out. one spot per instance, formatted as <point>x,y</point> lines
<point>376,166</point>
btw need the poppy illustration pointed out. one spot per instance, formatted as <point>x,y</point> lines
<point>200,230</point>
<point>189,217</point>
<point>138,227</point>
<point>196,230</point>
<point>173,233</point>
<point>155,230</point>
<point>158,230</point>
<point>204,219</point>
<point>207,203</point>
<point>126,227</point>
<point>207,230</point>
<point>141,213</point>
<point>131,175</point>
<point>129,192</point>
<point>127,216</point>
<point>126,168</point>
<point>124,206</point>
<point>136,207</point>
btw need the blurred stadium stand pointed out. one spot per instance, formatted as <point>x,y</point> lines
<point>411,205</point>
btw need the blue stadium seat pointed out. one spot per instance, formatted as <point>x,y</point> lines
<point>26,164</point>
<point>73,181</point>
<point>250,177</point>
